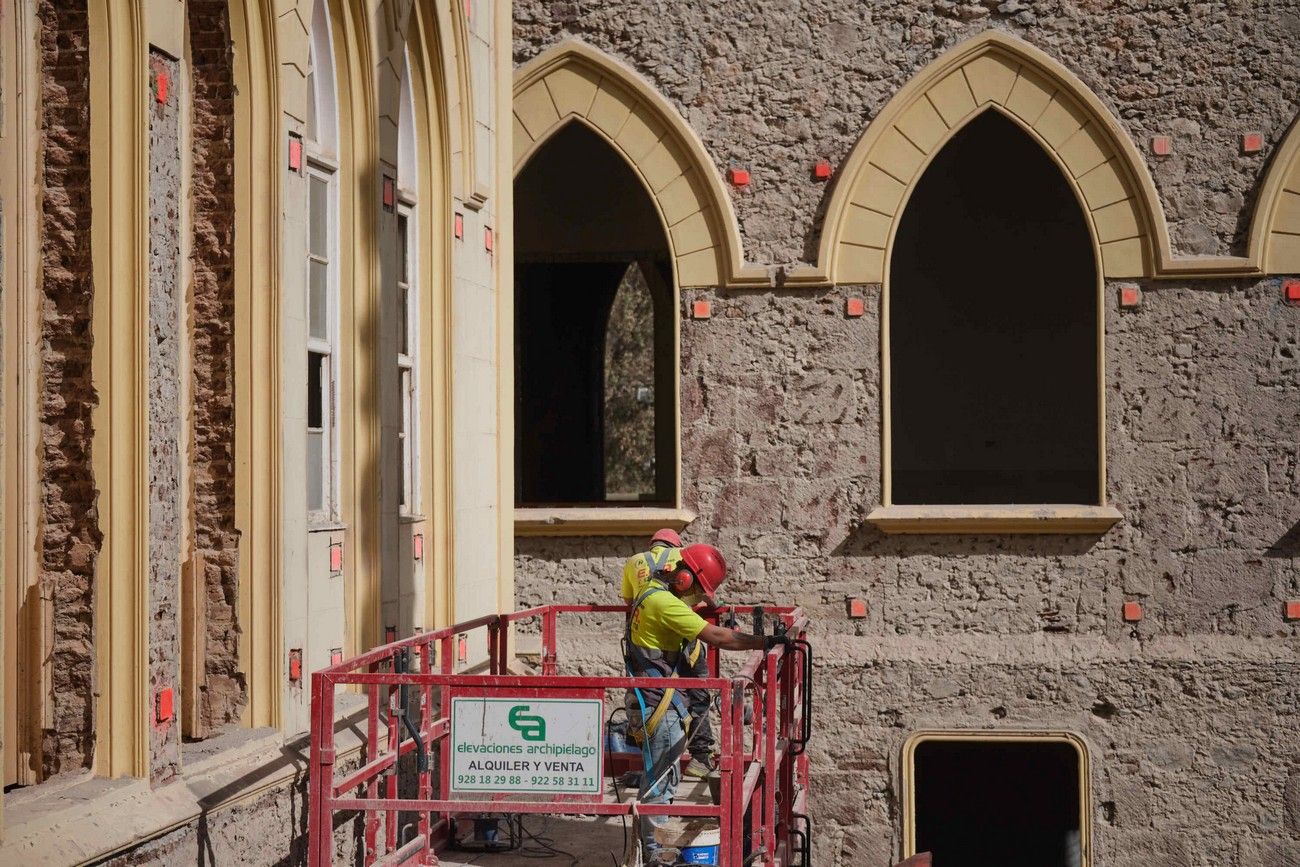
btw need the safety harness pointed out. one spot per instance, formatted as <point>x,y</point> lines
<point>647,662</point>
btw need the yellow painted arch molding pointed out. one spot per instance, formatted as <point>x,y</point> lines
<point>995,70</point>
<point>572,81</point>
<point>1275,227</point>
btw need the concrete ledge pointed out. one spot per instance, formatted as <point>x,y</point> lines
<point>599,520</point>
<point>979,520</point>
<point>91,818</point>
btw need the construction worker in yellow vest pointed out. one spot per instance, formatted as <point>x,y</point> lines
<point>661,625</point>
<point>662,558</point>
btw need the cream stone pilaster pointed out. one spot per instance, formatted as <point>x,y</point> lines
<point>119,201</point>
<point>268,542</point>
<point>19,306</point>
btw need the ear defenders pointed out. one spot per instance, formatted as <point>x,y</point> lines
<point>682,581</point>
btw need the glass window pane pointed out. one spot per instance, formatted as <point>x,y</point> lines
<point>407,440</point>
<point>315,470</point>
<point>318,294</point>
<point>318,218</point>
<point>404,320</point>
<point>403,266</point>
<point>316,384</point>
<point>311,105</point>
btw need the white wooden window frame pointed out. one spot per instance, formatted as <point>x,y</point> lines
<point>322,165</point>
<point>408,367</point>
<point>320,170</point>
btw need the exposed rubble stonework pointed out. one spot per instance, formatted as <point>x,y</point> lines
<point>69,531</point>
<point>212,463</point>
<point>777,86</point>
<point>164,417</point>
<point>1190,715</point>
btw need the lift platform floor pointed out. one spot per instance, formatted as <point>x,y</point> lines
<point>584,841</point>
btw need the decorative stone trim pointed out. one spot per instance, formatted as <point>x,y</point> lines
<point>993,72</point>
<point>574,82</point>
<point>1275,225</point>
<point>600,520</point>
<point>980,520</point>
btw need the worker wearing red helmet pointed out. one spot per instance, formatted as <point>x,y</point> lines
<point>663,557</point>
<point>660,627</point>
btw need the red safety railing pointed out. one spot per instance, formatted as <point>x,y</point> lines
<point>409,685</point>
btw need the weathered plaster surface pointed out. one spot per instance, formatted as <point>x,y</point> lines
<point>777,86</point>
<point>69,530</point>
<point>212,324</point>
<point>164,418</point>
<point>1191,715</point>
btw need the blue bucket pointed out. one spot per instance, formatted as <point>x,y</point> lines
<point>703,849</point>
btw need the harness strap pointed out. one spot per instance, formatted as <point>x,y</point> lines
<point>670,696</point>
<point>658,559</point>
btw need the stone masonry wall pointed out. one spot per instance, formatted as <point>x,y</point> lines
<point>164,415</point>
<point>212,189</point>
<point>1190,715</point>
<point>776,86</point>
<point>69,531</point>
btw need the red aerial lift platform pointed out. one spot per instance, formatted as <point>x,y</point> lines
<point>499,742</point>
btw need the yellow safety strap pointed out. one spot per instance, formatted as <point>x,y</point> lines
<point>662,707</point>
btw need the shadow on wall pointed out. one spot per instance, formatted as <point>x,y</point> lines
<point>1288,545</point>
<point>865,540</point>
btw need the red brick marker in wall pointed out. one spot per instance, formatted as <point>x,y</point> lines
<point>1132,611</point>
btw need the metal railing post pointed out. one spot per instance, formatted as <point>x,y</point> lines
<point>372,752</point>
<point>320,840</point>
<point>771,773</point>
<point>549,659</point>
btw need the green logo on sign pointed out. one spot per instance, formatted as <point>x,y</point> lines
<point>530,726</point>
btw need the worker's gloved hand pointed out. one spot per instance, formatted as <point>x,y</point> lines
<point>782,640</point>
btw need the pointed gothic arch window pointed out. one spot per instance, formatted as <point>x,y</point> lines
<point>595,388</point>
<point>993,306</point>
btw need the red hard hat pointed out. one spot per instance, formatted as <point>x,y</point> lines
<point>708,566</point>
<point>666,537</point>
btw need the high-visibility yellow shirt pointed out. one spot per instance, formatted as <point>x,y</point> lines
<point>636,571</point>
<point>664,622</point>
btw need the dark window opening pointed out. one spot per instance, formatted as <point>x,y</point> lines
<point>993,329</point>
<point>594,331</point>
<point>998,804</point>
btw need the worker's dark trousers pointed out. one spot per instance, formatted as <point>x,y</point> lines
<point>698,702</point>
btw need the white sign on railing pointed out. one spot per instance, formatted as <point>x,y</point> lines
<point>528,745</point>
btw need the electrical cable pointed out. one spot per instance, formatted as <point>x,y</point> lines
<point>546,850</point>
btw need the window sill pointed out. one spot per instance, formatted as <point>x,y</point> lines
<point>599,520</point>
<point>953,520</point>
